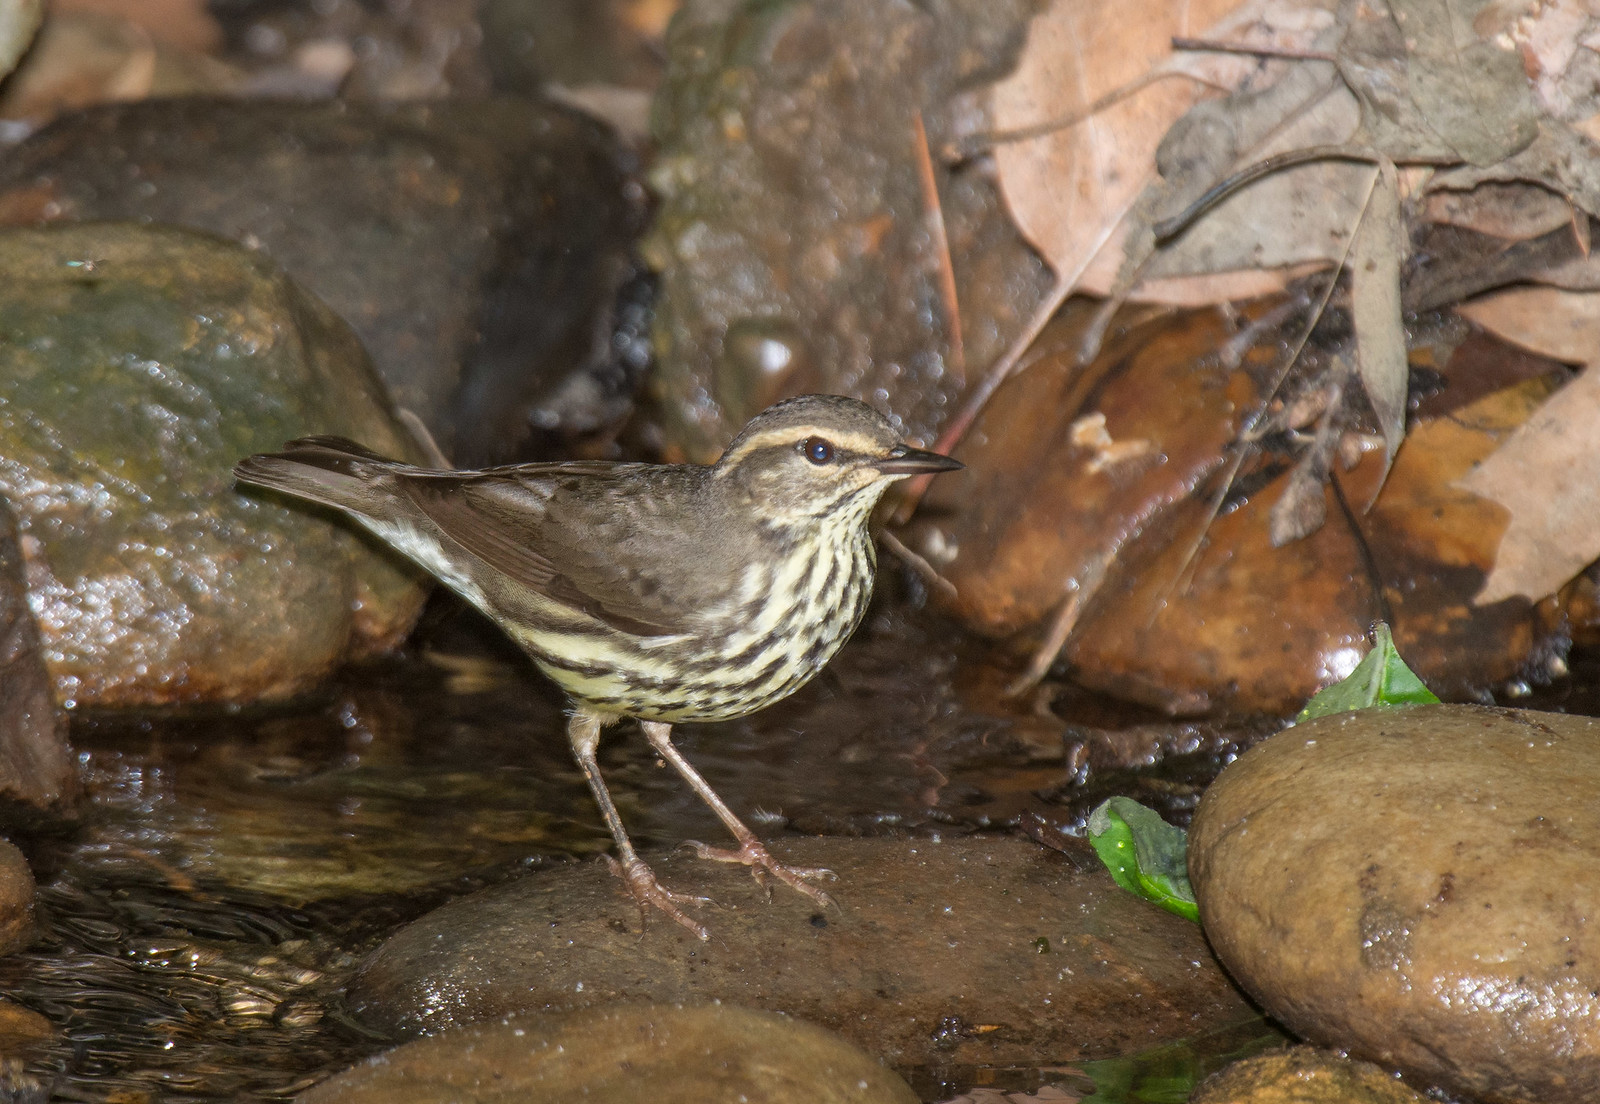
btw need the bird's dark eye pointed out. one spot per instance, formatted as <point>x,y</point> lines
<point>817,450</point>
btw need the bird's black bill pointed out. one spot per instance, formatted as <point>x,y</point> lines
<point>905,460</point>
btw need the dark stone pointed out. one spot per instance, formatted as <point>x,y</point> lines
<point>477,248</point>
<point>792,200</point>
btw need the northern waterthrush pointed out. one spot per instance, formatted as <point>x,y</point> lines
<point>665,592</point>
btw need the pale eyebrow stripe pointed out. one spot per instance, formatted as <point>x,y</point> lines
<point>790,436</point>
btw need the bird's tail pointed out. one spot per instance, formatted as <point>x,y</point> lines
<point>331,470</point>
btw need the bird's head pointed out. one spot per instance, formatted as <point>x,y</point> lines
<point>820,456</point>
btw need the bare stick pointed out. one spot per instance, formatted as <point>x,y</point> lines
<point>1211,45</point>
<point>934,210</point>
<point>1169,228</point>
<point>918,563</point>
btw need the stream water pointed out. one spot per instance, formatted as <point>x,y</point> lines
<point>229,870</point>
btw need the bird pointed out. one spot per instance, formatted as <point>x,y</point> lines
<point>668,593</point>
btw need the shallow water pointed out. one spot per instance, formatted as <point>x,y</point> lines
<point>230,869</point>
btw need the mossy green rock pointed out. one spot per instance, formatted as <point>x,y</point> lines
<point>139,363</point>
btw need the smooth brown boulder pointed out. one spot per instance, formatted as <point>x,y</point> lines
<point>963,951</point>
<point>1417,887</point>
<point>666,1054</point>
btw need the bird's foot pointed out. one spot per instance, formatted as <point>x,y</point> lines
<point>641,882</point>
<point>753,854</point>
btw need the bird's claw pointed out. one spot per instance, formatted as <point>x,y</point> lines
<point>762,866</point>
<point>649,892</point>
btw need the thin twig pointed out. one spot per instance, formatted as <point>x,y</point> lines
<point>1192,554</point>
<point>1044,656</point>
<point>1369,561</point>
<point>423,437</point>
<point>1006,364</point>
<point>918,563</point>
<point>1260,412</point>
<point>969,146</point>
<point>992,379</point>
<point>1169,228</point>
<point>934,211</point>
<point>1062,623</point>
<point>1211,45</point>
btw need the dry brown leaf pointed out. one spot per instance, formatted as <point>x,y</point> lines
<point>1561,158</point>
<point>1515,211</point>
<point>1547,476</point>
<point>1069,189</point>
<point>1375,258</point>
<point>1280,226</point>
<point>1564,325</point>
<point>1577,274</point>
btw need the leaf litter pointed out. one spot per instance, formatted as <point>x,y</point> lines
<point>1298,136</point>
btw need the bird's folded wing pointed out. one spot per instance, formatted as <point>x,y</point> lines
<point>508,525</point>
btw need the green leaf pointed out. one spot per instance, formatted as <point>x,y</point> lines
<point>1381,679</point>
<point>1146,855</point>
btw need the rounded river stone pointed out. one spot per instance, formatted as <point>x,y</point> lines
<point>1303,1075</point>
<point>961,951</point>
<point>16,899</point>
<point>666,1054</point>
<point>140,363</point>
<point>1415,886</point>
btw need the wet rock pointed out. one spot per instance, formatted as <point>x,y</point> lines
<point>419,49</point>
<point>84,57</point>
<point>22,1030</point>
<point>35,761</point>
<point>574,43</point>
<point>618,1054</point>
<point>18,22</point>
<point>1415,887</point>
<point>792,199</point>
<point>478,249</point>
<point>141,363</point>
<point>605,57</point>
<point>1114,485</point>
<point>962,951</point>
<point>1302,1075</point>
<point>16,899</point>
